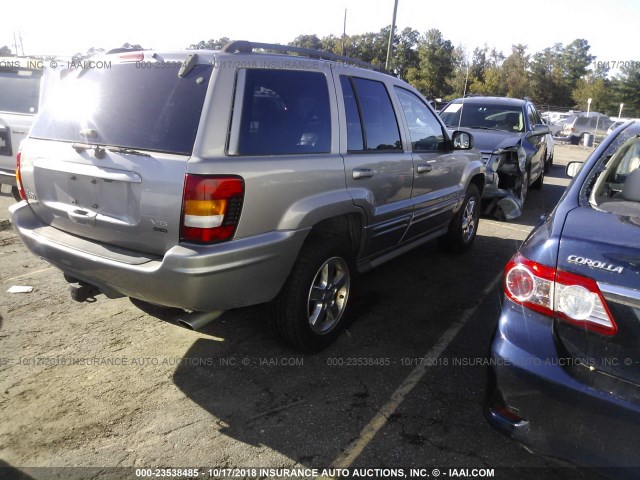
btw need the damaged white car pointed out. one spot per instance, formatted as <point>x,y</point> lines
<point>512,138</point>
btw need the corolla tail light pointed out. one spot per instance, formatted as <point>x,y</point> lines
<point>566,296</point>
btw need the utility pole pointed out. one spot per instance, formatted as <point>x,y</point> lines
<point>344,33</point>
<point>393,27</point>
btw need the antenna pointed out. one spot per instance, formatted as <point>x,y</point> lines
<point>464,94</point>
<point>344,32</point>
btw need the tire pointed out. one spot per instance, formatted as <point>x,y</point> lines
<point>464,225</point>
<point>310,308</point>
<point>537,185</point>
<point>548,164</point>
<point>16,194</point>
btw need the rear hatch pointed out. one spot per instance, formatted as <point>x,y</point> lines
<point>605,247</point>
<point>106,158</point>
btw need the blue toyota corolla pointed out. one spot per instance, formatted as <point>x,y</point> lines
<point>566,356</point>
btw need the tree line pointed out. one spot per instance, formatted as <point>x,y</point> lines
<point>558,77</point>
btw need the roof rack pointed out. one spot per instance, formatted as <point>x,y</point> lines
<point>244,46</point>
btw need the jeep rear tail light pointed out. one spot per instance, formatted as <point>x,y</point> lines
<point>210,208</point>
<point>23,195</point>
<point>566,296</point>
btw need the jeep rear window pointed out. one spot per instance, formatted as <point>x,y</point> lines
<point>127,106</point>
<point>19,90</point>
<point>285,112</point>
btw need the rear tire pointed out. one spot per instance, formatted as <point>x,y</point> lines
<point>464,226</point>
<point>310,308</point>
<point>16,194</point>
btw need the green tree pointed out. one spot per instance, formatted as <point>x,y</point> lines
<point>5,52</point>
<point>405,55</point>
<point>593,88</point>
<point>210,44</point>
<point>435,65</point>
<point>625,88</point>
<point>515,76</point>
<point>307,41</point>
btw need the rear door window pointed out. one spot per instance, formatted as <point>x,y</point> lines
<point>285,112</point>
<point>375,115</point>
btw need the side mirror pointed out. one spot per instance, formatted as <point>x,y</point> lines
<point>462,140</point>
<point>573,168</point>
<point>539,129</point>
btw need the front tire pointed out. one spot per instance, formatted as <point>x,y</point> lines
<point>311,306</point>
<point>464,225</point>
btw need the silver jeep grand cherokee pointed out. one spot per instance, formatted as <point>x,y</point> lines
<point>210,180</point>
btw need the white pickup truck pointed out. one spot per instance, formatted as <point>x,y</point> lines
<point>20,80</point>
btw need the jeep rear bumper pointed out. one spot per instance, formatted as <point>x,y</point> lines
<point>238,273</point>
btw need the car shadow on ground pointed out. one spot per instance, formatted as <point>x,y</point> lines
<point>308,407</point>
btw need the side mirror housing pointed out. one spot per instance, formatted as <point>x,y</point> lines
<point>462,140</point>
<point>573,168</point>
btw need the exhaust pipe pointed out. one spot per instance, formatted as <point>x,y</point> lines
<point>197,320</point>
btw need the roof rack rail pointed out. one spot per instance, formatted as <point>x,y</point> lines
<point>244,46</point>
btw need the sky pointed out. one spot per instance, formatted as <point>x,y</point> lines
<point>65,27</point>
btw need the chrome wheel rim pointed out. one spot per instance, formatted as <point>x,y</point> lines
<point>469,222</point>
<point>328,295</point>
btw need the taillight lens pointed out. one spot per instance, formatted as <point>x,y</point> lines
<point>210,208</point>
<point>566,296</point>
<point>23,195</point>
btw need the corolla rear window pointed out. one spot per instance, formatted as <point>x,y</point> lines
<point>485,116</point>
<point>19,90</point>
<point>127,106</point>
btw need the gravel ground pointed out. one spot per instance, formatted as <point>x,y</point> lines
<point>106,384</point>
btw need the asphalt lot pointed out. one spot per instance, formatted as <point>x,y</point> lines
<point>104,385</point>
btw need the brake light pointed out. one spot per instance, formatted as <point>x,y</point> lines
<point>23,195</point>
<point>210,208</point>
<point>566,296</point>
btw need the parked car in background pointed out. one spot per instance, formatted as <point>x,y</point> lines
<point>20,80</point>
<point>594,124</point>
<point>566,357</point>
<point>209,189</point>
<point>513,141</point>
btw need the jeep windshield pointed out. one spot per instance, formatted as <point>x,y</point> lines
<point>127,106</point>
<point>19,90</point>
<point>484,117</point>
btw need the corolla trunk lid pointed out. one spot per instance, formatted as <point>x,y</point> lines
<point>604,247</point>
<point>106,158</point>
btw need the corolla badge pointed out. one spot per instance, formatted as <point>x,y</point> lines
<point>578,260</point>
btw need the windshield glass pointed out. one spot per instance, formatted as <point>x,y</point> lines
<point>19,91</point>
<point>485,116</point>
<point>127,106</point>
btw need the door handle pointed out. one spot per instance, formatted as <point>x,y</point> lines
<point>422,168</point>
<point>362,173</point>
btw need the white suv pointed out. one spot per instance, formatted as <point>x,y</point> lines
<point>20,80</point>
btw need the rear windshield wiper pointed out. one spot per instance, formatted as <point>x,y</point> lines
<point>127,151</point>
<point>100,149</point>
